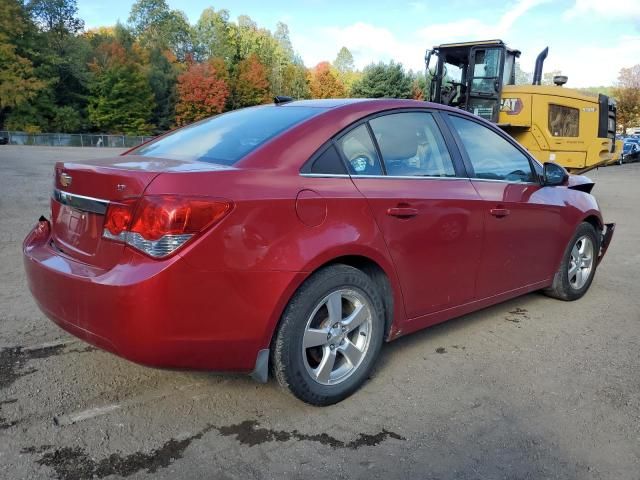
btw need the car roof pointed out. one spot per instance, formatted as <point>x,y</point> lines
<point>370,104</point>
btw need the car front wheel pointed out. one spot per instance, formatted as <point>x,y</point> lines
<point>578,267</point>
<point>330,335</point>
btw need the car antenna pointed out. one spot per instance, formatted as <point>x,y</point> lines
<point>280,99</point>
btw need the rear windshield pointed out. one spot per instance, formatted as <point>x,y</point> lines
<point>225,139</point>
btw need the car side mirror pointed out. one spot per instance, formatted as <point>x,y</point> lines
<point>554,175</point>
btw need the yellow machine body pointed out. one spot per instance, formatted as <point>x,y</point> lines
<point>555,124</point>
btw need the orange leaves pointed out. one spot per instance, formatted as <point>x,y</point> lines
<point>324,83</point>
<point>252,85</point>
<point>202,91</point>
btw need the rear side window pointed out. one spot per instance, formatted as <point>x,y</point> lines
<point>491,156</point>
<point>328,162</point>
<point>411,145</point>
<point>226,138</point>
<point>360,153</point>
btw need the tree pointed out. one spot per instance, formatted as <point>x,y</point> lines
<point>18,81</point>
<point>60,57</point>
<point>121,100</point>
<point>383,81</point>
<point>202,91</point>
<point>57,17</point>
<point>162,74</point>
<point>419,89</point>
<point>155,25</point>
<point>251,84</point>
<point>324,83</point>
<point>627,95</point>
<point>282,37</point>
<point>295,82</point>
<point>522,77</point>
<point>547,78</point>
<point>344,61</point>
<point>214,35</point>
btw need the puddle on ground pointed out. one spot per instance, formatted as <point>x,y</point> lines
<point>73,463</point>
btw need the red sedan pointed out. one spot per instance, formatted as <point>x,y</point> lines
<point>299,236</point>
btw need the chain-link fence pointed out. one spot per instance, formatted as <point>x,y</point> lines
<point>71,139</point>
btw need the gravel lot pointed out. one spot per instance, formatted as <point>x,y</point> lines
<point>532,388</point>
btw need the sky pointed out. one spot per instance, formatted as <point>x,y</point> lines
<point>588,40</point>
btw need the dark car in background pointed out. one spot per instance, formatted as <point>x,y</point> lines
<point>630,150</point>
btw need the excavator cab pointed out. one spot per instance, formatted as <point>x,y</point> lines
<point>471,75</point>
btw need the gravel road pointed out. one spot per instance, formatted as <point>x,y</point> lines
<point>530,389</point>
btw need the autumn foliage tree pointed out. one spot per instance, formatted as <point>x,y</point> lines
<point>251,83</point>
<point>202,91</point>
<point>324,83</point>
<point>121,100</point>
<point>627,95</point>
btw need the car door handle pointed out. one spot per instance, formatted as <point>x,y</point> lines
<point>499,212</point>
<point>402,212</point>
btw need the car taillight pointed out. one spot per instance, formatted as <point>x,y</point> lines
<point>159,225</point>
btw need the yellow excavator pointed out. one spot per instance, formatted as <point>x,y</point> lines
<point>553,122</point>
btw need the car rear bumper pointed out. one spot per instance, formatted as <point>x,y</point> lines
<point>159,313</point>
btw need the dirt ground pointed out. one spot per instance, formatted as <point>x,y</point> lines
<point>533,388</point>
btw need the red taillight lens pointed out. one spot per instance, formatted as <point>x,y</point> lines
<point>157,216</point>
<point>118,218</point>
<point>160,224</point>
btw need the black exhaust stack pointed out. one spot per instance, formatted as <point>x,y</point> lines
<point>537,73</point>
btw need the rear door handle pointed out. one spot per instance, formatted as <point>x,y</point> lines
<point>402,212</point>
<point>499,212</point>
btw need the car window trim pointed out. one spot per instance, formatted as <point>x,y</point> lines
<point>500,133</point>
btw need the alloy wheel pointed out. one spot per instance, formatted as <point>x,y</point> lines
<point>337,336</point>
<point>581,262</point>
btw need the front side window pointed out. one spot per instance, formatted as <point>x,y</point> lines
<point>564,121</point>
<point>411,145</point>
<point>491,156</point>
<point>360,153</point>
<point>226,138</point>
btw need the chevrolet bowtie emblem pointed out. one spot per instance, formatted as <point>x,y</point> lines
<point>65,179</point>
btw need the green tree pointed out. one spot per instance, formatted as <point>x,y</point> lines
<point>214,35</point>
<point>547,78</point>
<point>419,90</point>
<point>295,82</point>
<point>18,80</point>
<point>61,54</point>
<point>383,81</point>
<point>155,25</point>
<point>162,75</point>
<point>121,100</point>
<point>344,61</point>
<point>522,77</point>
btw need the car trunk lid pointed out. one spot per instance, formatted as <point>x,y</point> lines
<point>83,192</point>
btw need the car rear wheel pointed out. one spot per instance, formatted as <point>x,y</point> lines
<point>330,336</point>
<point>578,267</point>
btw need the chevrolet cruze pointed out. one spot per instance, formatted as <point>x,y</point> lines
<point>296,238</point>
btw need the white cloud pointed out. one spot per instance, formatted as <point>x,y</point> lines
<point>474,29</point>
<point>602,9</point>
<point>591,64</point>
<point>595,65</point>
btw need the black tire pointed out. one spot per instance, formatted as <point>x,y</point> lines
<point>290,362</point>
<point>562,287</point>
